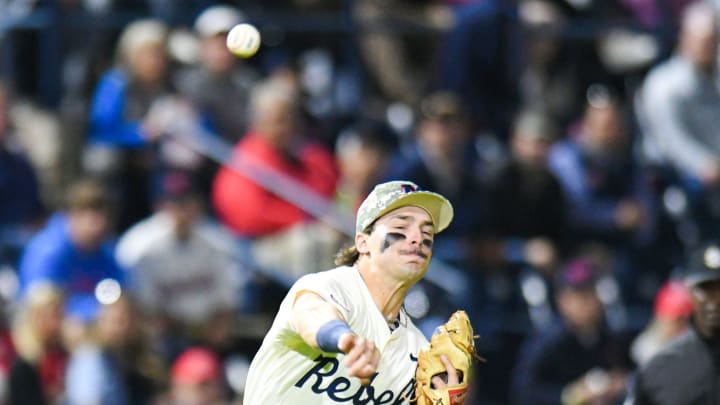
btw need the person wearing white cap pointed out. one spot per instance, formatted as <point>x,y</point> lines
<point>219,85</point>
<point>342,335</point>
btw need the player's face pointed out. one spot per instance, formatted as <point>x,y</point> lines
<point>401,242</point>
<point>706,301</point>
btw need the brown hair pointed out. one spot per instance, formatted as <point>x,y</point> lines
<point>88,194</point>
<point>348,255</point>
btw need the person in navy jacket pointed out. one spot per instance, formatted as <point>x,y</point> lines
<point>25,211</point>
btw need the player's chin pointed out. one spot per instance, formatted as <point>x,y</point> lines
<point>417,267</point>
<point>416,260</point>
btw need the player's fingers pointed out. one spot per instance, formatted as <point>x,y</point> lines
<point>452,374</point>
<point>362,359</point>
<point>360,354</point>
<point>363,347</point>
<point>346,342</point>
<point>362,370</point>
<point>437,382</point>
<point>361,365</point>
<point>355,349</point>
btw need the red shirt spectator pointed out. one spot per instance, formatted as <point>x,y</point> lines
<point>245,206</point>
<point>251,210</point>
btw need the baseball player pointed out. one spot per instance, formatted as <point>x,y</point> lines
<point>342,336</point>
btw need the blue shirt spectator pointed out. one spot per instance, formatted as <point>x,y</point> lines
<point>73,251</point>
<point>110,121</point>
<point>121,131</point>
<point>608,198</point>
<point>53,256</point>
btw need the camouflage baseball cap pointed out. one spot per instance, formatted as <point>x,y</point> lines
<point>388,196</point>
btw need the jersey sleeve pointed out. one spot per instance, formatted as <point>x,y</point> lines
<point>330,289</point>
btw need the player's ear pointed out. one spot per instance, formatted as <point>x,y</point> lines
<point>361,243</point>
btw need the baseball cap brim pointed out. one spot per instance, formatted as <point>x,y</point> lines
<point>439,208</point>
<point>696,278</point>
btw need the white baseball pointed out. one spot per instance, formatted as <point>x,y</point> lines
<point>243,40</point>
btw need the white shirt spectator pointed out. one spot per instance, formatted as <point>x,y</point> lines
<point>186,279</point>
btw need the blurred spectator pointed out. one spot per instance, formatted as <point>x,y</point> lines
<point>673,308</point>
<point>444,157</point>
<point>683,134</point>
<point>686,370</point>
<point>678,106</point>
<point>220,85</point>
<point>579,360</point>
<point>479,62</point>
<point>285,238</point>
<point>17,8</point>
<point>550,75</point>
<point>38,374</point>
<point>527,201</point>
<point>608,198</point>
<point>275,142</point>
<point>22,213</point>
<point>362,151</point>
<point>120,129</point>
<point>125,93</point>
<point>36,131</point>
<point>184,269</point>
<point>111,366</point>
<point>400,65</point>
<point>73,251</point>
<point>197,378</point>
<point>620,46</point>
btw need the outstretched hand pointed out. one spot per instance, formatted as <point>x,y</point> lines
<point>361,358</point>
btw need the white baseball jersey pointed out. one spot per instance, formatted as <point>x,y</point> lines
<point>287,371</point>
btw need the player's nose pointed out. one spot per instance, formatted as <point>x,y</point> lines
<point>414,235</point>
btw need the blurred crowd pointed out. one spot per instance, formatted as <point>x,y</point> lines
<point>158,195</point>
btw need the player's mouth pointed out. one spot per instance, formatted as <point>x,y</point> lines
<point>414,252</point>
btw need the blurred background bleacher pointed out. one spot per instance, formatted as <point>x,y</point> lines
<point>133,147</point>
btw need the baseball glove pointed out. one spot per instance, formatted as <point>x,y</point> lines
<point>456,341</point>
